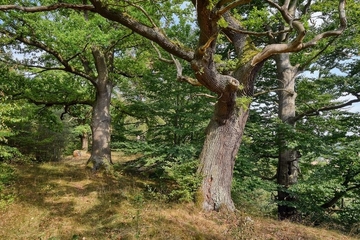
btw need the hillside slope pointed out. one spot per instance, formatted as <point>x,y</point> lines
<point>66,201</point>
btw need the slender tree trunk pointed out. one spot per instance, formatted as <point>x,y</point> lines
<point>100,127</point>
<point>101,119</point>
<point>84,141</point>
<point>288,164</point>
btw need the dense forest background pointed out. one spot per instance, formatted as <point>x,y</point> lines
<point>78,81</point>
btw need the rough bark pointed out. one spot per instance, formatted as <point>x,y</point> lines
<point>100,127</point>
<point>218,158</point>
<point>101,119</point>
<point>288,164</point>
<point>223,138</point>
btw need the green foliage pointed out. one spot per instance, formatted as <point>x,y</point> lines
<point>253,194</point>
<point>39,135</point>
<point>7,176</point>
<point>81,129</point>
<point>172,163</point>
<point>182,170</point>
<point>164,120</point>
<point>257,18</point>
<point>222,23</point>
<point>243,102</point>
<point>10,113</point>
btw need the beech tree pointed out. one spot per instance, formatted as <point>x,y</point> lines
<point>288,69</point>
<point>228,72</point>
<point>289,66</point>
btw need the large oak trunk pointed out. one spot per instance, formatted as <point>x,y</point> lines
<point>223,139</point>
<point>218,158</point>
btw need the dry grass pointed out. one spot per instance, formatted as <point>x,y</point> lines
<point>66,201</point>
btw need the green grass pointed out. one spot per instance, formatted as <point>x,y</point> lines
<point>65,200</point>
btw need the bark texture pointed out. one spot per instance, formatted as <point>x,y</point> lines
<point>218,158</point>
<point>84,142</point>
<point>288,164</point>
<point>101,119</point>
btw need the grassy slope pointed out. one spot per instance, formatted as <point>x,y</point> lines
<point>66,201</point>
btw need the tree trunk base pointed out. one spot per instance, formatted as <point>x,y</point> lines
<point>99,163</point>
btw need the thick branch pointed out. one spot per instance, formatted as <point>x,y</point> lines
<point>100,63</point>
<point>153,34</point>
<point>338,196</point>
<point>46,8</point>
<point>230,6</point>
<point>182,78</point>
<point>57,55</point>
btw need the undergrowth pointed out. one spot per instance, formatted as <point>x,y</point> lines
<point>7,177</point>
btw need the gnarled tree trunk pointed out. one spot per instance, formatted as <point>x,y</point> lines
<point>223,139</point>
<point>218,158</point>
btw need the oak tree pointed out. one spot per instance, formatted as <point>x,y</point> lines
<point>231,76</point>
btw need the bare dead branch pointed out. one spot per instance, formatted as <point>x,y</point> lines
<point>160,56</point>
<point>269,33</point>
<point>206,95</point>
<point>313,112</point>
<point>182,78</point>
<point>144,12</point>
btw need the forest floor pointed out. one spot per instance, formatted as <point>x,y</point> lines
<point>65,200</point>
